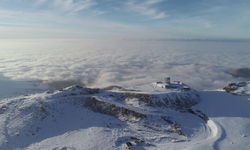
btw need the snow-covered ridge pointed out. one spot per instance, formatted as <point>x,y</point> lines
<point>27,120</point>
<point>77,118</point>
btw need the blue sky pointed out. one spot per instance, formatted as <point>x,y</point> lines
<point>125,19</point>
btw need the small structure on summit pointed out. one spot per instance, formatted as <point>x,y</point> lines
<point>128,145</point>
<point>165,84</point>
<point>166,80</point>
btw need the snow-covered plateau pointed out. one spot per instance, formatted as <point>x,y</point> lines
<point>147,116</point>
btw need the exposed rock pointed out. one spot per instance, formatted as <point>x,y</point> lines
<point>240,72</point>
<point>111,109</point>
<point>240,88</point>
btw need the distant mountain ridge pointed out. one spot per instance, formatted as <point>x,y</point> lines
<point>240,72</point>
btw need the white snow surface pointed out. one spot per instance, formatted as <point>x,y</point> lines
<point>57,120</point>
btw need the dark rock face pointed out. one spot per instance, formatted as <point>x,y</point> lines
<point>240,72</point>
<point>111,109</point>
<point>231,87</point>
<point>125,113</point>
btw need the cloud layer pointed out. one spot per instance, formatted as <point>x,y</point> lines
<point>100,63</point>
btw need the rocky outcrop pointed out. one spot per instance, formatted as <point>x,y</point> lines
<point>111,109</point>
<point>240,88</point>
<point>176,100</point>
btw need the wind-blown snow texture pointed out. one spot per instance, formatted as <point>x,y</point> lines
<point>92,119</point>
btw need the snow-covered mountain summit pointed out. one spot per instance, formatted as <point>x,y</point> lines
<point>77,118</point>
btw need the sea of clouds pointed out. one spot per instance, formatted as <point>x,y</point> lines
<point>101,63</point>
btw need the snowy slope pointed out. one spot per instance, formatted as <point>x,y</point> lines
<point>92,119</point>
<point>231,115</point>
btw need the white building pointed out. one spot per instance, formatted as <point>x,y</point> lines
<point>165,84</point>
<point>166,80</point>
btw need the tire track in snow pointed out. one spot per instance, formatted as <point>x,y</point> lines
<point>221,134</point>
<point>209,134</point>
<point>214,133</point>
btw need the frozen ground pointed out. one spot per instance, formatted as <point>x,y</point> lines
<point>61,120</point>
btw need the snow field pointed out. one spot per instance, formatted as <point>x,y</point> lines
<point>59,121</point>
